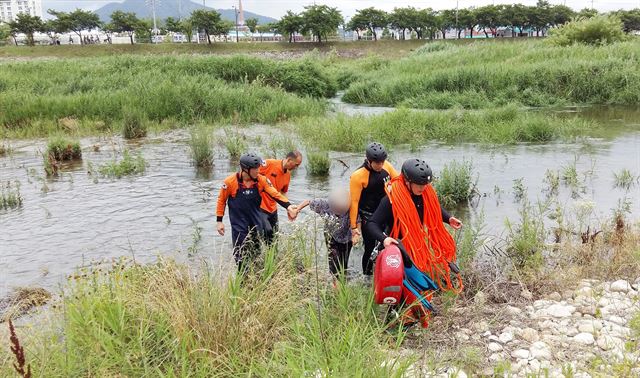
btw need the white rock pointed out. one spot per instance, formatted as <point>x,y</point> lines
<point>620,286</point>
<point>487,334</point>
<point>555,296</point>
<point>585,291</point>
<point>618,331</point>
<point>494,347</point>
<point>494,339</point>
<point>589,326</point>
<point>560,311</point>
<point>529,335</point>
<point>572,331</point>
<point>617,319</point>
<point>584,338</point>
<point>534,365</point>
<point>526,294</point>
<point>521,354</point>
<point>506,337</point>
<point>603,302</point>
<point>510,310</point>
<point>540,350</point>
<point>497,357</point>
<point>481,326</point>
<point>607,342</point>
<point>541,304</point>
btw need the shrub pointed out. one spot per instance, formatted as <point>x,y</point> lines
<point>598,30</point>
<point>62,149</point>
<point>201,147</point>
<point>133,125</point>
<point>455,184</point>
<point>318,163</point>
<point>129,165</point>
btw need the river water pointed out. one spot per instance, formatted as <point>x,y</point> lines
<point>75,219</point>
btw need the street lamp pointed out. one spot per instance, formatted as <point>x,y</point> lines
<point>235,11</point>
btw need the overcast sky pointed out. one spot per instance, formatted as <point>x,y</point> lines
<point>276,8</point>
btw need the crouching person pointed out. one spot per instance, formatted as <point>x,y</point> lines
<point>242,193</point>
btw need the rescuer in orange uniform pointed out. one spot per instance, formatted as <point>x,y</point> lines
<point>278,172</point>
<point>367,187</point>
<point>242,192</point>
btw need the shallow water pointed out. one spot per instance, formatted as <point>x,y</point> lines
<point>72,220</point>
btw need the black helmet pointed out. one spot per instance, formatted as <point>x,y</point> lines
<point>417,171</point>
<point>376,152</point>
<point>250,160</point>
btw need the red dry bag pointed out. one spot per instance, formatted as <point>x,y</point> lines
<point>388,275</point>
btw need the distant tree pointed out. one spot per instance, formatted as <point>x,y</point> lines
<point>630,19</point>
<point>321,20</point>
<point>50,27</point>
<point>172,25</point>
<point>125,22</point>
<point>144,30</point>
<point>368,18</point>
<point>290,24</point>
<point>261,29</point>
<point>77,21</point>
<point>403,19</point>
<point>28,25</point>
<point>561,14</point>
<point>425,21</point>
<point>446,19</point>
<point>5,32</point>
<point>467,19</point>
<point>207,21</point>
<point>223,27</point>
<point>489,16</point>
<point>186,27</point>
<point>587,13</point>
<point>252,24</point>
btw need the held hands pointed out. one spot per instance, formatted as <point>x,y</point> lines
<point>355,235</point>
<point>292,212</point>
<point>220,228</point>
<point>455,223</point>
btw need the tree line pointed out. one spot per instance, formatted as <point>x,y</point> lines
<point>320,22</point>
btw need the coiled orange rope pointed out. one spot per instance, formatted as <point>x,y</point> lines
<point>427,241</point>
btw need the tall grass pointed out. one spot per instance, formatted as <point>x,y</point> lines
<point>455,183</point>
<point>490,73</point>
<point>598,30</point>
<point>625,179</point>
<point>167,319</point>
<point>184,89</point>
<point>201,145</point>
<point>133,125</point>
<point>61,149</point>
<point>502,125</point>
<point>318,163</point>
<point>127,166</point>
<point>10,197</point>
<point>235,143</point>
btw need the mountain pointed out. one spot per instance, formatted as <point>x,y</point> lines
<point>166,8</point>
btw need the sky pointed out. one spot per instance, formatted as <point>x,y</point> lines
<point>276,8</point>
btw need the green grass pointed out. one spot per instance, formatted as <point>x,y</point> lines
<point>625,179</point>
<point>37,94</point>
<point>235,143</point>
<point>165,320</point>
<point>127,166</point>
<point>455,183</point>
<point>61,149</point>
<point>133,123</point>
<point>201,145</point>
<point>493,73</point>
<point>10,197</point>
<point>318,163</point>
<point>506,125</point>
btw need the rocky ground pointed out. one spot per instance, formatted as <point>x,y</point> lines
<point>589,331</point>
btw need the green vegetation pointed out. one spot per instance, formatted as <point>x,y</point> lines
<point>133,124</point>
<point>318,163</point>
<point>167,319</point>
<point>10,197</point>
<point>201,144</point>
<point>526,238</point>
<point>62,149</point>
<point>625,179</point>
<point>129,165</point>
<point>183,89</point>
<point>501,126</point>
<point>236,143</point>
<point>598,30</point>
<point>455,183</point>
<point>492,73</point>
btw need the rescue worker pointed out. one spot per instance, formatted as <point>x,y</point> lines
<point>367,185</point>
<point>278,172</point>
<point>242,192</point>
<point>412,213</point>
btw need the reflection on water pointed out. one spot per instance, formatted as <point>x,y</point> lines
<point>71,220</point>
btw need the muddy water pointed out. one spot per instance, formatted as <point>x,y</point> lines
<point>73,219</point>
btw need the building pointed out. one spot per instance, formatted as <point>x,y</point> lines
<point>9,9</point>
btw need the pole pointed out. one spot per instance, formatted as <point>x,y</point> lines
<point>155,25</point>
<point>235,10</point>
<point>457,28</point>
